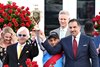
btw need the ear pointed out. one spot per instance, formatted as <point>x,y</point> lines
<point>1,34</point>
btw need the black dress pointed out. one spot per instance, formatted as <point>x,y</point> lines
<point>2,53</point>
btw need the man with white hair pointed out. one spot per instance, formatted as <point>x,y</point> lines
<point>19,52</point>
<point>63,30</point>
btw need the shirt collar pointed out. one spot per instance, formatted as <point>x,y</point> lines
<point>64,28</point>
<point>22,44</point>
<point>78,36</point>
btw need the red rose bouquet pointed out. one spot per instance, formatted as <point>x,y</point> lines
<point>96,21</point>
<point>6,65</point>
<point>30,63</point>
<point>14,16</point>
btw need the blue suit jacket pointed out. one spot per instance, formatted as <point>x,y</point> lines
<point>86,50</point>
<point>97,42</point>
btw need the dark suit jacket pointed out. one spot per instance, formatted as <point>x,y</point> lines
<point>29,51</point>
<point>86,50</point>
<point>97,42</point>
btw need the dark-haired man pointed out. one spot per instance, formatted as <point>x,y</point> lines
<point>78,48</point>
<point>53,60</point>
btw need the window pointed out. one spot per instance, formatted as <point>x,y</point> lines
<point>85,10</point>
<point>52,8</point>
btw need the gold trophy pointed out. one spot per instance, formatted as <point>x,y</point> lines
<point>36,19</point>
<point>36,14</point>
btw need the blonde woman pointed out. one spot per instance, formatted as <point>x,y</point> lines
<point>7,38</point>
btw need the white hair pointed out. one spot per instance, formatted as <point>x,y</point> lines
<point>64,12</point>
<point>23,28</point>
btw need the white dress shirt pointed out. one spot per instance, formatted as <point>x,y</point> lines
<point>63,32</point>
<point>77,38</point>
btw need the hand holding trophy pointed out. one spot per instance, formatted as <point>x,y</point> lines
<point>36,19</point>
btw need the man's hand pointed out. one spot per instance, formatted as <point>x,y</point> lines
<point>98,50</point>
<point>42,35</point>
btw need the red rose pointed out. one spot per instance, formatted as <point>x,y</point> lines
<point>5,25</point>
<point>34,63</point>
<point>1,11</point>
<point>36,66</point>
<point>10,24</point>
<point>27,9</point>
<point>8,17</point>
<point>27,18</point>
<point>28,61</point>
<point>16,13</point>
<point>94,19</point>
<point>10,11</point>
<point>6,65</point>
<point>1,20</point>
<point>95,33</point>
<point>22,7</point>
<point>22,24</point>
<point>18,9</point>
<point>24,12</point>
<point>4,14</point>
<point>28,13</point>
<point>14,20</point>
<point>13,4</point>
<point>27,24</point>
<point>16,24</point>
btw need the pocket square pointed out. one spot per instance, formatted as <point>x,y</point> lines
<point>85,45</point>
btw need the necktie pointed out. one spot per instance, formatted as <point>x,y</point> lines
<point>74,47</point>
<point>19,50</point>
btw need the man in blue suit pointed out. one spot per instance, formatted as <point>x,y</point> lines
<point>97,43</point>
<point>78,48</point>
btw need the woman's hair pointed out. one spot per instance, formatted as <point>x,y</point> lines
<point>8,30</point>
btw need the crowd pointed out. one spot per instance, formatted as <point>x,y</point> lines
<point>65,46</point>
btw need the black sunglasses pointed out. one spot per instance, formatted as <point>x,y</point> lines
<point>21,35</point>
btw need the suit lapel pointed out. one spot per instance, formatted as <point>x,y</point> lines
<point>70,49</point>
<point>15,51</point>
<point>58,31</point>
<point>67,32</point>
<point>81,42</point>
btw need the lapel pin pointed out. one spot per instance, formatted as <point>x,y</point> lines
<point>27,51</point>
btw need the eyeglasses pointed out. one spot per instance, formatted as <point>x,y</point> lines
<point>21,35</point>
